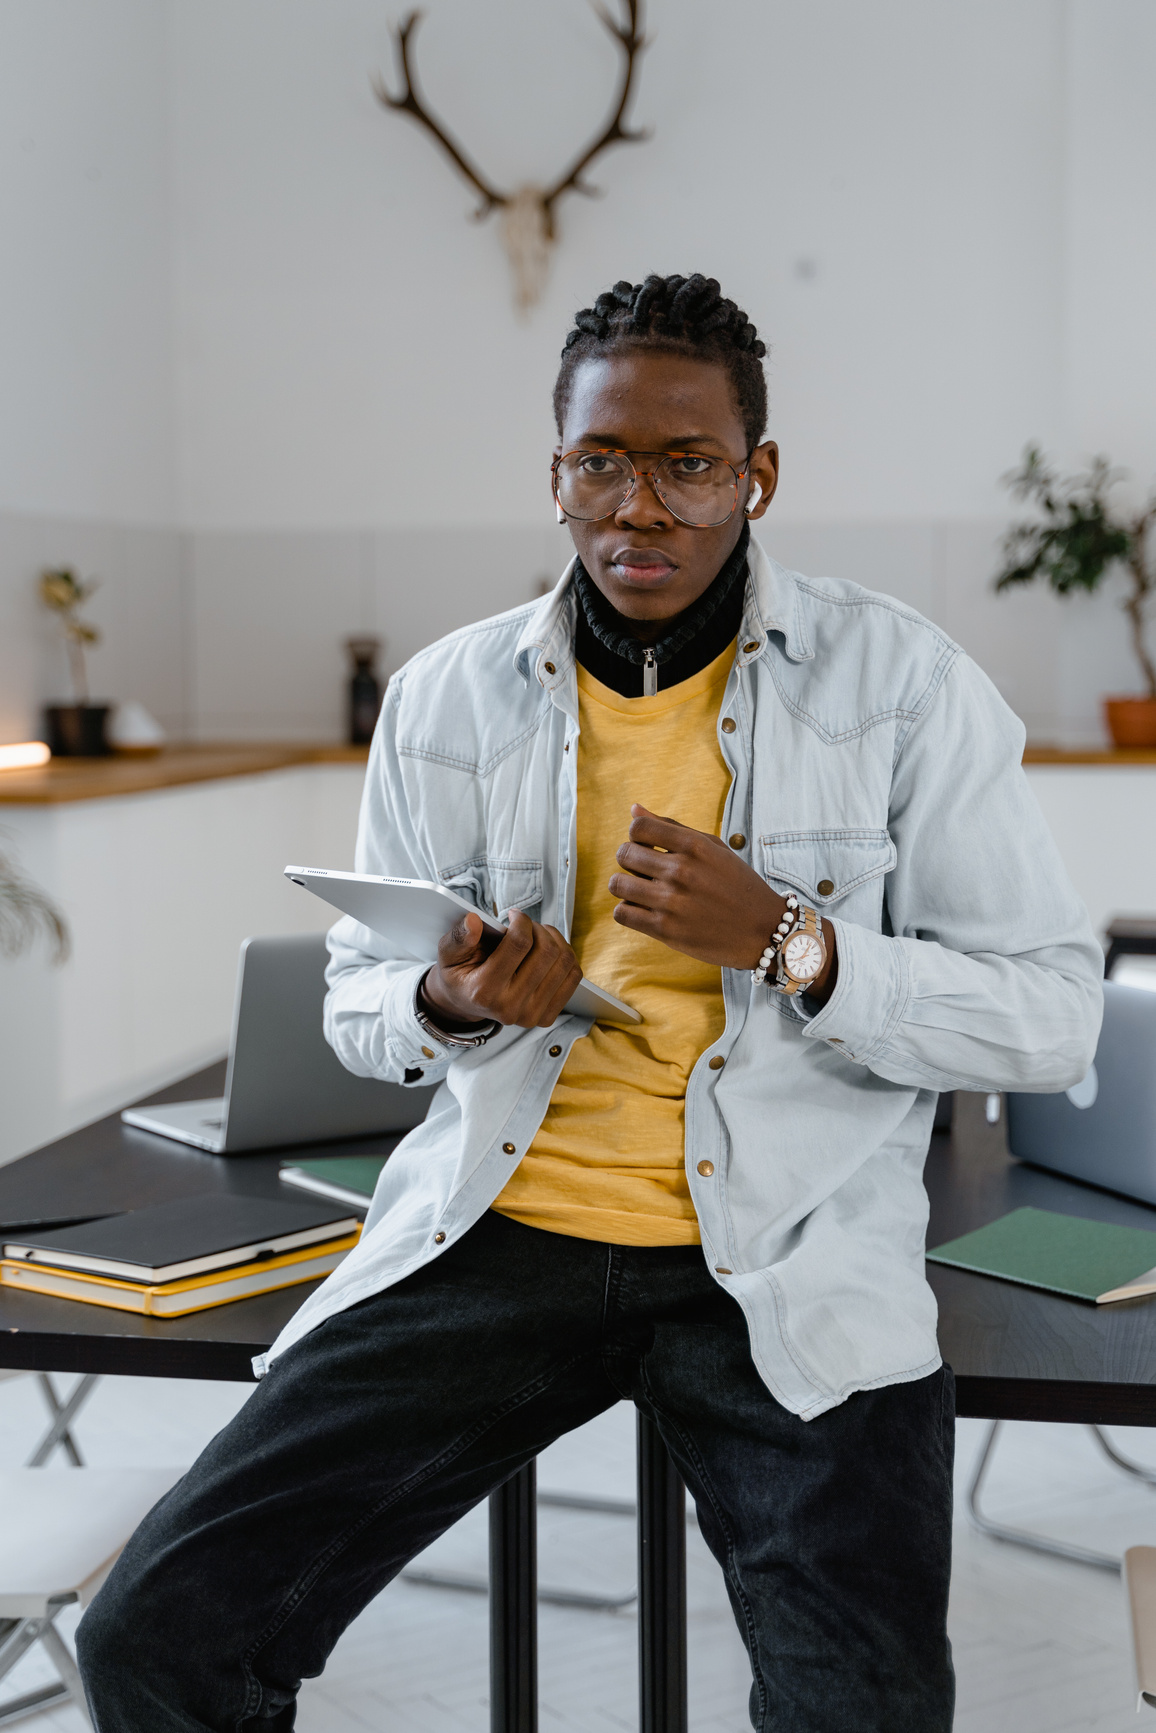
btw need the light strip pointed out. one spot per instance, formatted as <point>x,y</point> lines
<point>26,756</point>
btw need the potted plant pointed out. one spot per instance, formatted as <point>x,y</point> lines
<point>1077,537</point>
<point>75,730</point>
<point>25,912</point>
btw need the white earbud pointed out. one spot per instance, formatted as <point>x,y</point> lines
<point>756,495</point>
<point>561,513</point>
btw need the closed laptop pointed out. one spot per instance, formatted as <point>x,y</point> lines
<point>1103,1129</point>
<point>285,1084</point>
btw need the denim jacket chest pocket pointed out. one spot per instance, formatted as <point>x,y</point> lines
<point>497,885</point>
<point>840,872</point>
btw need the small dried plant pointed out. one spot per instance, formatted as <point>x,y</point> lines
<point>63,592</point>
<point>27,914</point>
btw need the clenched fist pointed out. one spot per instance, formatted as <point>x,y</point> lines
<point>692,892</point>
<point>525,977</point>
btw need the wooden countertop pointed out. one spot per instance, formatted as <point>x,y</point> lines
<point>1115,756</point>
<point>69,779</point>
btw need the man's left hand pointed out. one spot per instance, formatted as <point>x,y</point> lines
<point>694,893</point>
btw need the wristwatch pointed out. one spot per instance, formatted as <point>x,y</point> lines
<point>802,954</point>
<point>463,1038</point>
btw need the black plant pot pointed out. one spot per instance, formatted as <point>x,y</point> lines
<point>77,730</point>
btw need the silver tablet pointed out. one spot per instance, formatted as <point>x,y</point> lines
<point>414,914</point>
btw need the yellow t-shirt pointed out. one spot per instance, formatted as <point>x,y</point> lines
<point>607,1163</point>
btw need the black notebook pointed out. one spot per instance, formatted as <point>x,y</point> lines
<point>187,1237</point>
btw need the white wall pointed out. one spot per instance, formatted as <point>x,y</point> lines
<point>86,402</point>
<point>269,330</point>
<point>341,323</point>
<point>1110,254</point>
<point>86,380</point>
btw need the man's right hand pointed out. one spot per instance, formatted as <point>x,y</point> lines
<point>524,979</point>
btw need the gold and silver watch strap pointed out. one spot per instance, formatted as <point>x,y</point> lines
<point>802,954</point>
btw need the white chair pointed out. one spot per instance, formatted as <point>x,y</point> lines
<point>1140,1577</point>
<point>58,1436</point>
<point>59,1538</point>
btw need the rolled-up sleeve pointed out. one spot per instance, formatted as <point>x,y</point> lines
<point>990,976</point>
<point>369,1008</point>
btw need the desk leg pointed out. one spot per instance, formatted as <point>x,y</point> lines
<point>514,1604</point>
<point>661,1586</point>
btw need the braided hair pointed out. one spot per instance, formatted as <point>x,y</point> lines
<point>683,316</point>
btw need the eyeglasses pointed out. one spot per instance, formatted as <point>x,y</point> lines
<point>697,490</point>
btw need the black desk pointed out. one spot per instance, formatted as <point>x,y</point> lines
<point>107,1167</point>
<point>1017,1354</point>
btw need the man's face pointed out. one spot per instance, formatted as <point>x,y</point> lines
<point>645,562</point>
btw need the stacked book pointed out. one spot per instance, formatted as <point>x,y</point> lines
<point>184,1256</point>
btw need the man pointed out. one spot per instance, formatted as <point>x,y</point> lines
<point>785,820</point>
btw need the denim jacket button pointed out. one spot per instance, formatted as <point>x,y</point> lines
<point>706,1168</point>
<point>825,887</point>
<point>729,724</point>
<point>438,1238</point>
<point>508,1148</point>
<point>554,1052</point>
<point>717,1063</point>
<point>738,840</point>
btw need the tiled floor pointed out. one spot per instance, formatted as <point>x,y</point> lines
<point>1041,1645</point>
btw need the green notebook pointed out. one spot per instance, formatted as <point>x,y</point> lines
<point>1065,1254</point>
<point>347,1178</point>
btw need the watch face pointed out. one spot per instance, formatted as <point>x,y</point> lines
<point>803,956</point>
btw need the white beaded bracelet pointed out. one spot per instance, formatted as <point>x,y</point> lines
<point>783,931</point>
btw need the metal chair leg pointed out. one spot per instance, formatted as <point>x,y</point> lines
<point>514,1605</point>
<point>63,1414</point>
<point>661,1586</point>
<point>62,1660</point>
<point>17,1636</point>
<point>1021,1537</point>
<point>1147,1475</point>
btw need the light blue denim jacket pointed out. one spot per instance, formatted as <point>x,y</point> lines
<point>869,752</point>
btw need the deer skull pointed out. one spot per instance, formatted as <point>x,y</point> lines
<point>528,224</point>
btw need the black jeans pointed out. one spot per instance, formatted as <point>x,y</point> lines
<point>376,1432</point>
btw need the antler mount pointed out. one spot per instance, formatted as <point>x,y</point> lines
<point>528,214</point>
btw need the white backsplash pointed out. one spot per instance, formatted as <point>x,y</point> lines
<point>237,635</point>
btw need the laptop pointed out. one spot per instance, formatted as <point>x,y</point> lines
<point>1103,1129</point>
<point>284,1084</point>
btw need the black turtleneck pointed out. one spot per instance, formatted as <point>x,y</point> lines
<point>606,646</point>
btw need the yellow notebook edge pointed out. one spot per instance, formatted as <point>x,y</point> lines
<point>149,1303</point>
<point>20,1269</point>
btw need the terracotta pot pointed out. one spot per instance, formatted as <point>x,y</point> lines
<point>1131,721</point>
